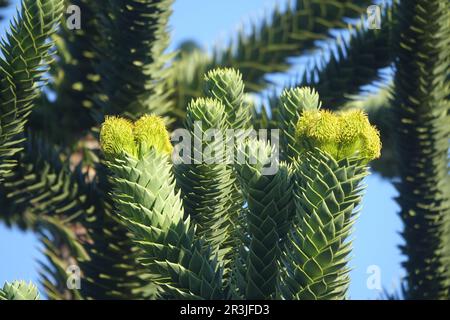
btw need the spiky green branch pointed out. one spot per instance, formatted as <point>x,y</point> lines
<point>25,54</point>
<point>19,290</point>
<point>356,62</point>
<point>42,185</point>
<point>317,252</point>
<point>209,188</point>
<point>74,79</point>
<point>136,39</point>
<point>335,150</point>
<point>206,184</point>
<point>270,210</point>
<point>422,139</point>
<point>145,198</point>
<point>267,48</point>
<point>286,34</point>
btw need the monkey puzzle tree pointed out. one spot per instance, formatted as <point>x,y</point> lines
<point>293,251</point>
<point>235,232</point>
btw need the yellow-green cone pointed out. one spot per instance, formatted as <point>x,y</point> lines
<point>342,135</point>
<point>150,132</point>
<point>119,135</point>
<point>318,129</point>
<point>116,137</point>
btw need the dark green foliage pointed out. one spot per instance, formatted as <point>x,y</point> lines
<point>267,48</point>
<point>136,37</point>
<point>74,80</point>
<point>25,55</point>
<point>422,131</point>
<point>184,267</point>
<point>42,185</point>
<point>355,63</point>
<point>286,34</point>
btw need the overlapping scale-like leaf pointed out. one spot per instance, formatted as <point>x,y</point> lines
<point>291,104</point>
<point>206,180</point>
<point>327,194</point>
<point>269,201</point>
<point>19,290</point>
<point>226,85</point>
<point>145,198</point>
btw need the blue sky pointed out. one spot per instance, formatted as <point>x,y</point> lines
<point>376,236</point>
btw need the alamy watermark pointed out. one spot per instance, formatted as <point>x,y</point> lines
<point>73,21</point>
<point>374,17</point>
<point>214,146</point>
<point>374,279</point>
<point>73,277</point>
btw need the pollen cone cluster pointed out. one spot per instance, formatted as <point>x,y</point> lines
<point>342,135</point>
<point>119,135</point>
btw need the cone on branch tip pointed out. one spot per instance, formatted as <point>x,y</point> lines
<point>119,135</point>
<point>342,135</point>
